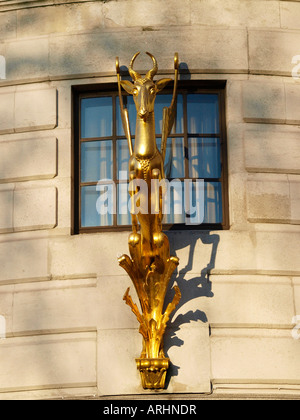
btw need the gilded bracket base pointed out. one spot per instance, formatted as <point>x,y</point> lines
<point>151,289</point>
<point>153,372</point>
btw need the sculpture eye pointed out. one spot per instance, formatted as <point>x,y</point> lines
<point>135,92</point>
<point>152,91</point>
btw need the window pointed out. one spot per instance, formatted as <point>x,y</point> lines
<point>196,150</point>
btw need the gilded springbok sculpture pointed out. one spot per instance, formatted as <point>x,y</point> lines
<point>150,266</point>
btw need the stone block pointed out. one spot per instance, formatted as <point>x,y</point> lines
<point>249,300</point>
<point>234,105</point>
<point>118,349</point>
<point>268,200</point>
<point>277,252</point>
<point>192,373</point>
<point>254,356</point>
<point>110,292</point>
<point>6,209</point>
<point>64,188</point>
<point>290,14</point>
<point>292,94</point>
<point>273,251</point>
<point>294,181</point>
<point>235,148</point>
<point>62,18</point>
<point>237,199</point>
<point>271,51</point>
<point>27,159</point>
<point>8,25</point>
<point>58,360</point>
<point>53,393</point>
<point>212,54</point>
<point>296,285</point>
<point>233,13</point>
<point>6,316</point>
<point>78,54</point>
<point>219,51</point>
<point>116,367</point>
<point>88,254</point>
<point>202,252</point>
<point>264,102</point>
<point>35,110</point>
<point>2,66</point>
<point>57,305</point>
<point>7,105</point>
<point>225,252</point>
<point>126,14</point>
<point>35,208</point>
<point>235,300</point>
<point>64,164</point>
<point>64,106</point>
<point>28,59</point>
<point>23,260</point>
<point>272,150</point>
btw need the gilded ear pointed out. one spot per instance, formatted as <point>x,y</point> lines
<point>128,86</point>
<point>160,84</point>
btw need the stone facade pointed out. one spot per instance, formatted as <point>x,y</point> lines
<point>68,332</point>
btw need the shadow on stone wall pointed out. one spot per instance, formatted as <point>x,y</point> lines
<point>191,288</point>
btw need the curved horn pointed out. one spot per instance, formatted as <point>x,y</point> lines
<point>135,75</point>
<point>152,73</point>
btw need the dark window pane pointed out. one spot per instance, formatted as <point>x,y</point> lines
<point>96,161</point>
<point>90,207</point>
<point>122,159</point>
<point>213,202</point>
<point>96,117</point>
<point>174,159</point>
<point>205,205</point>
<point>174,212</point>
<point>204,158</point>
<point>89,215</point>
<point>203,114</point>
<point>165,101</point>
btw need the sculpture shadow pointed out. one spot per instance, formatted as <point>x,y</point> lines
<point>191,288</point>
<point>184,71</point>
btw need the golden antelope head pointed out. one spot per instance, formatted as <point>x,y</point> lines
<point>144,89</point>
